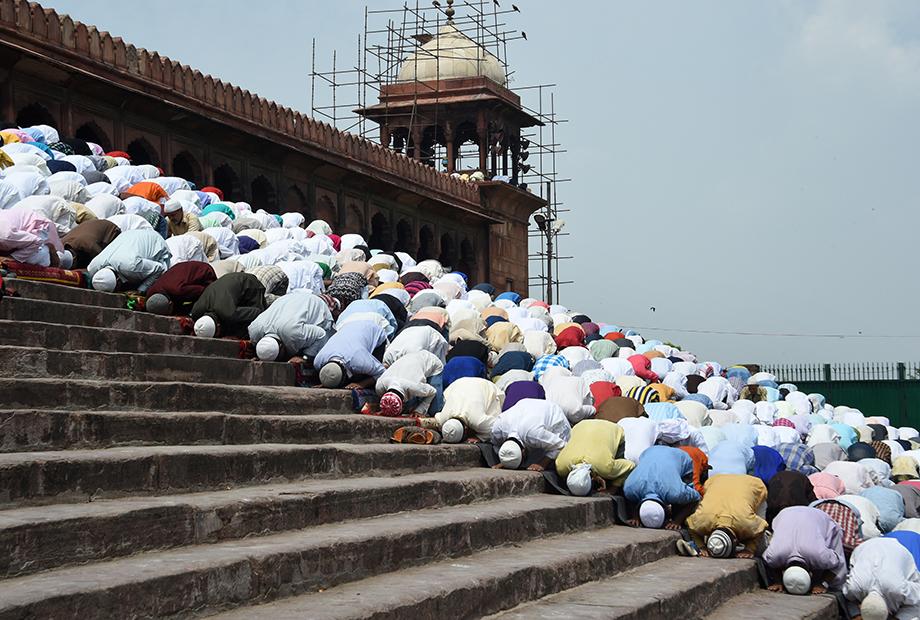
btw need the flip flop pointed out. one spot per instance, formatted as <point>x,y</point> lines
<point>687,548</point>
<point>415,435</point>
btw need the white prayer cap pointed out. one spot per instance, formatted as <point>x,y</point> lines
<point>66,259</point>
<point>874,607</point>
<point>175,204</point>
<point>510,454</point>
<point>104,280</point>
<point>452,431</point>
<point>387,275</point>
<point>651,514</point>
<point>720,544</point>
<point>332,375</point>
<point>796,580</point>
<point>268,349</point>
<point>579,480</point>
<point>205,327</point>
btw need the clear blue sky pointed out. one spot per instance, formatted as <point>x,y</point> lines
<point>741,166</point>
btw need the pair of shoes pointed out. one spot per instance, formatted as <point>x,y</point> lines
<point>687,548</point>
<point>415,435</point>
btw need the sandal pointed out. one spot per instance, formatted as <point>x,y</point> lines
<point>415,435</point>
<point>687,548</point>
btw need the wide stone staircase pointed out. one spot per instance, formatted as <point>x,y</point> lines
<point>145,473</point>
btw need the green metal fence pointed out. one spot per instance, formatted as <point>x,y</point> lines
<point>885,389</point>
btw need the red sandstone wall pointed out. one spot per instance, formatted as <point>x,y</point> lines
<point>103,52</point>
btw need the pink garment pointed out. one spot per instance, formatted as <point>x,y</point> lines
<point>24,232</point>
<point>643,367</point>
<point>827,486</point>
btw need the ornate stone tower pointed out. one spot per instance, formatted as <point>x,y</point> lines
<point>452,92</point>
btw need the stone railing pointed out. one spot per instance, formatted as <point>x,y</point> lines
<point>31,21</point>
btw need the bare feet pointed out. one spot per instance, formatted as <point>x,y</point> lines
<point>704,553</point>
<point>819,590</point>
<point>633,523</point>
<point>776,587</point>
<point>535,467</point>
<point>670,525</point>
<point>498,466</point>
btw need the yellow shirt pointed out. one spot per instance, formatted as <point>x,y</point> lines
<point>595,442</point>
<point>730,501</point>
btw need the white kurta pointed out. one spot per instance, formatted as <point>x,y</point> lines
<point>474,401</point>
<point>416,338</point>
<point>409,376</point>
<point>538,424</point>
<point>885,566</point>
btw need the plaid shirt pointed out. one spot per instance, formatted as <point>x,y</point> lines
<point>798,457</point>
<point>272,278</point>
<point>545,362</point>
<point>846,518</point>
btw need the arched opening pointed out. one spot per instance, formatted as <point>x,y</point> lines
<point>263,194</point>
<point>185,166</point>
<point>294,201</point>
<point>228,182</point>
<point>448,251</point>
<point>380,233</point>
<point>142,152</point>
<point>467,263</point>
<point>405,240</point>
<point>35,114</point>
<point>91,132</point>
<point>425,243</point>
<point>326,211</point>
<point>354,220</point>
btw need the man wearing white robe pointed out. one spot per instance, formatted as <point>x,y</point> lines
<point>137,257</point>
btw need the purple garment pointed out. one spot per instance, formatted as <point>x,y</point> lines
<point>519,390</point>
<point>247,244</point>
<point>203,199</point>
<point>810,536</point>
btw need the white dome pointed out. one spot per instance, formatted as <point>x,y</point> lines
<point>450,55</point>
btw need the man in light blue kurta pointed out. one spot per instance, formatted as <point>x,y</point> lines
<point>349,354</point>
<point>137,257</point>
<point>300,321</point>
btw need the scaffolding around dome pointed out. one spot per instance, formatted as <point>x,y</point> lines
<point>436,83</point>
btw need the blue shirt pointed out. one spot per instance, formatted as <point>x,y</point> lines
<point>664,474</point>
<point>353,347</point>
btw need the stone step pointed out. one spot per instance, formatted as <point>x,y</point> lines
<point>77,338</point>
<point>764,605</point>
<point>39,430</point>
<point>21,309</point>
<point>76,394</point>
<point>674,587</point>
<point>36,362</point>
<point>31,289</point>
<point>483,583</point>
<point>83,475</point>
<point>209,577</point>
<point>40,538</point>
<point>32,362</point>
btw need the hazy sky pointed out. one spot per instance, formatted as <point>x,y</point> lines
<point>745,166</point>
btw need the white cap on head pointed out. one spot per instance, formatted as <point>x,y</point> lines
<point>205,327</point>
<point>651,514</point>
<point>510,454</point>
<point>331,375</point>
<point>66,259</point>
<point>874,607</point>
<point>105,280</point>
<point>796,580</point>
<point>579,480</point>
<point>452,431</point>
<point>268,349</point>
